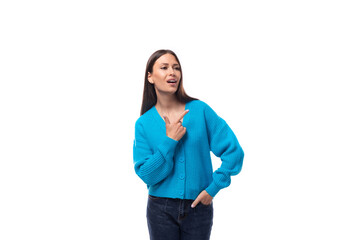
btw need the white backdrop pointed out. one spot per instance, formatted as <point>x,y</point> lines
<point>282,74</point>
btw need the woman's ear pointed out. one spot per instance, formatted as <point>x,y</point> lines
<point>149,78</point>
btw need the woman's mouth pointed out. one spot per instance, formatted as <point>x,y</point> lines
<point>172,82</point>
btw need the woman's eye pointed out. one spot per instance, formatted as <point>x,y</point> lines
<point>177,68</point>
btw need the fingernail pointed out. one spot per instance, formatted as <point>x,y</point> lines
<point>192,206</point>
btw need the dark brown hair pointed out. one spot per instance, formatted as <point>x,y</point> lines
<point>149,95</point>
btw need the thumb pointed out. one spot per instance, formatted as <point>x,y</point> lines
<point>166,119</point>
<point>197,200</point>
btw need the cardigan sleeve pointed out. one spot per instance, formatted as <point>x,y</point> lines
<point>224,144</point>
<point>152,166</point>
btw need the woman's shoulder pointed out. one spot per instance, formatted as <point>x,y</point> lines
<point>206,109</point>
<point>200,104</point>
<point>196,103</point>
<point>145,117</point>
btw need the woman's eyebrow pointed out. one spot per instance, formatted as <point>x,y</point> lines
<point>168,64</point>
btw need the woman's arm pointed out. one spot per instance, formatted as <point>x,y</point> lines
<point>224,144</point>
<point>152,167</point>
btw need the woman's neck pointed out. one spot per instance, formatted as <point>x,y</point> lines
<point>167,103</point>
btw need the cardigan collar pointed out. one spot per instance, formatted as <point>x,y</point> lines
<point>161,121</point>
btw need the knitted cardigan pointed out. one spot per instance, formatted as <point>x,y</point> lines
<point>182,169</point>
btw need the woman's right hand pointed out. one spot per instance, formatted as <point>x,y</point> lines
<point>175,130</point>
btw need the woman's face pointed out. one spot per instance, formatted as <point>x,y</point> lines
<point>166,74</point>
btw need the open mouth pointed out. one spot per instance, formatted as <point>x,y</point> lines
<point>172,82</point>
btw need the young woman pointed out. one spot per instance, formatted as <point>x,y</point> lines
<point>173,139</point>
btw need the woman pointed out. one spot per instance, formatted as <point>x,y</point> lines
<point>173,139</point>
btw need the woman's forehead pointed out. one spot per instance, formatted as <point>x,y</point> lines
<point>167,59</point>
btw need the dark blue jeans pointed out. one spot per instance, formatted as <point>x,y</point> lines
<point>174,219</point>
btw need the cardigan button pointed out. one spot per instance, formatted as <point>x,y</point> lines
<point>181,176</point>
<point>181,159</point>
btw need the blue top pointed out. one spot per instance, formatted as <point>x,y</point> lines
<point>183,169</point>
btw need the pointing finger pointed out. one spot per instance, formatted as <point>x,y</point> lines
<point>182,115</point>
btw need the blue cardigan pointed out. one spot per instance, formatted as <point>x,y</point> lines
<point>182,169</point>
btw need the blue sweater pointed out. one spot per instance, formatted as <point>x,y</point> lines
<point>182,169</point>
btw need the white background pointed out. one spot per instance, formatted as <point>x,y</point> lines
<point>283,75</point>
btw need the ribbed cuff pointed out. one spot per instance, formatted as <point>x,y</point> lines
<point>168,147</point>
<point>212,189</point>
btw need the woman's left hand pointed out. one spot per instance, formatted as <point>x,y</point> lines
<point>204,198</point>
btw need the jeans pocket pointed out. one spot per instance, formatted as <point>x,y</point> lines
<point>206,205</point>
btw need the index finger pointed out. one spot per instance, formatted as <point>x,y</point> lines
<point>182,115</point>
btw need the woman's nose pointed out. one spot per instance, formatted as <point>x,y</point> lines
<point>172,72</point>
